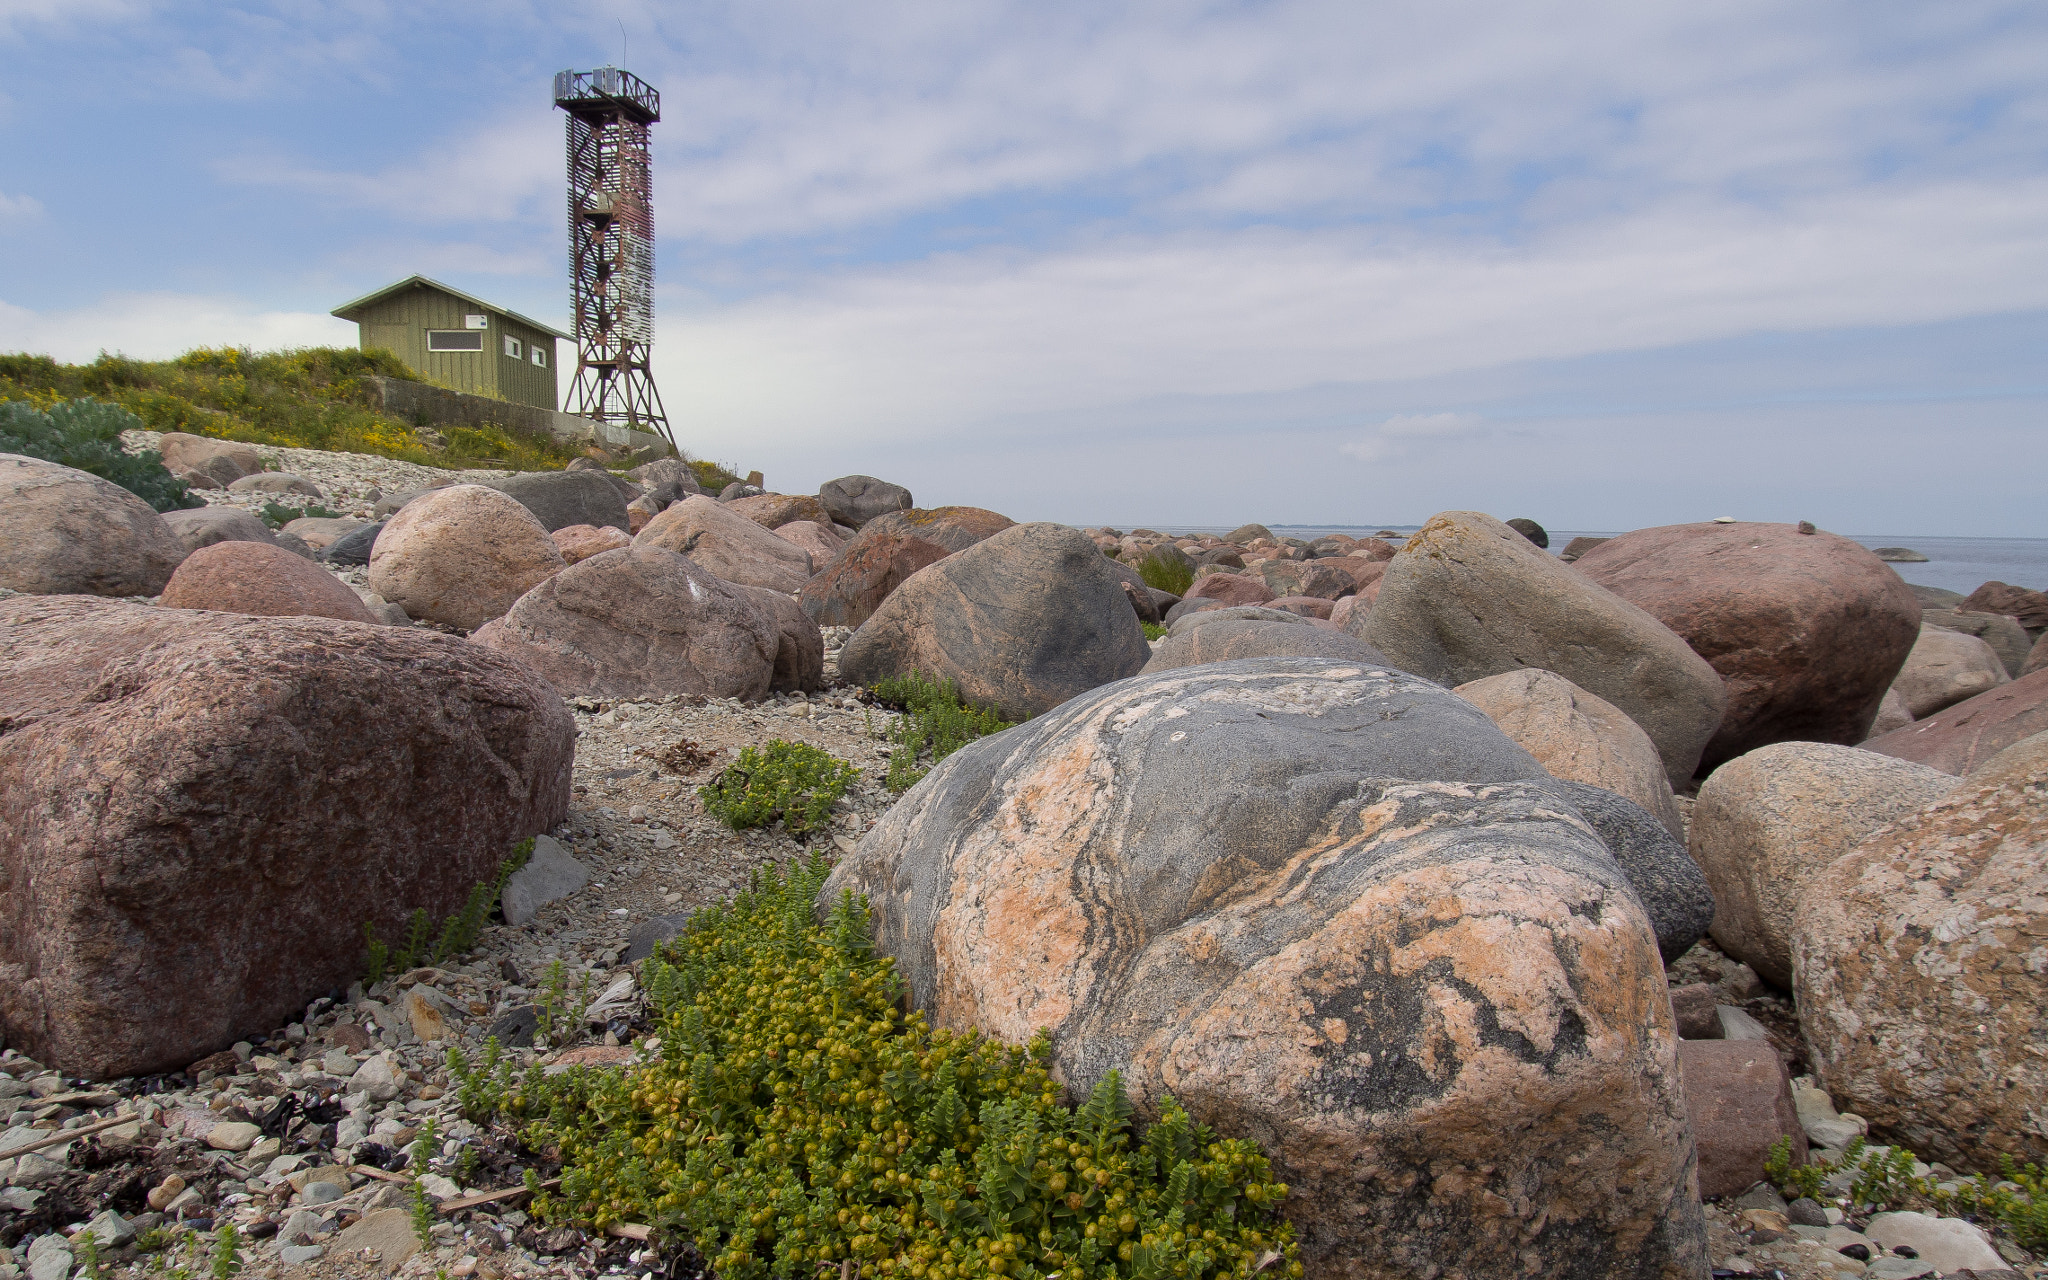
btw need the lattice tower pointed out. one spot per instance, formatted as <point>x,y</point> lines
<point>611,246</point>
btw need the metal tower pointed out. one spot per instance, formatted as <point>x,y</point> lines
<point>611,246</point>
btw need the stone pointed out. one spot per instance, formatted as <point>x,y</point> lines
<point>1306,606</point>
<point>665,473</point>
<point>1808,630</point>
<point>234,1135</point>
<point>518,1026</point>
<point>1246,534</point>
<point>1738,1025</point>
<point>262,580</point>
<point>2023,762</point>
<point>773,510</point>
<point>1956,739</point>
<point>643,938</point>
<point>1824,1126</point>
<point>846,592</point>
<point>338,1062</point>
<point>723,542</point>
<point>1896,1268</point>
<point>1309,885</point>
<point>54,1264</point>
<point>1898,555</point>
<point>954,528</point>
<point>1469,597</point>
<point>1669,885</point>
<point>1577,547</point>
<point>559,499</point>
<point>1248,638</point>
<point>1768,822</point>
<point>1935,597</point>
<point>639,623</point>
<point>183,451</point>
<point>353,548</point>
<point>2037,657</point>
<point>1022,622</point>
<point>204,526</point>
<point>1946,1244</point>
<point>1365,574</point>
<point>579,542</point>
<point>1918,978</point>
<point>1306,578</point>
<point>1740,1101</point>
<point>318,532</point>
<point>71,533</point>
<point>1531,530</point>
<point>799,663</point>
<point>392,503</point>
<point>428,1020</point>
<point>385,1234</point>
<point>295,1255</point>
<point>277,482</point>
<point>164,1192</point>
<point>1944,668</point>
<point>2007,638</point>
<point>1219,612</point>
<point>1230,589</point>
<point>1577,736</point>
<point>461,556</point>
<point>551,874</point>
<point>110,1229</point>
<point>814,539</point>
<point>1692,1008</point>
<point>380,1079</point>
<point>2029,608</point>
<point>855,500</point>
<point>278,779</point>
<point>293,543</point>
<point>1891,714</point>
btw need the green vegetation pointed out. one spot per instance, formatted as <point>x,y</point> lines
<point>424,1148</point>
<point>788,780</point>
<point>1153,631</point>
<point>227,1252</point>
<point>278,516</point>
<point>310,398</point>
<point>86,435</point>
<point>713,478</point>
<point>459,932</point>
<point>1162,574</point>
<point>799,1121</point>
<point>1883,1179</point>
<point>937,722</point>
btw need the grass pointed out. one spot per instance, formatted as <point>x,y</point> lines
<point>1162,574</point>
<point>1153,631</point>
<point>937,722</point>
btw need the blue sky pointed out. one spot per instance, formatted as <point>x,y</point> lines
<point>1605,265</point>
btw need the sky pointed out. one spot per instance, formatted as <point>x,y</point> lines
<point>1604,265</point>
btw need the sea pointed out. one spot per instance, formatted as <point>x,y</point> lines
<point>1953,564</point>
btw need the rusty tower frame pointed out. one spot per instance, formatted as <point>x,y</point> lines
<point>611,247</point>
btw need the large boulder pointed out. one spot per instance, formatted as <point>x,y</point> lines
<point>1944,668</point>
<point>1234,638</point>
<point>353,548</point>
<point>1958,738</point>
<point>320,532</point>
<point>800,645</point>
<point>1740,1100</point>
<point>816,540</point>
<point>224,460</point>
<point>1230,589</point>
<point>68,532</point>
<point>1469,597</point>
<point>1318,578</point>
<point>279,483</point>
<point>579,542</point>
<point>1332,908</point>
<point>1577,736</point>
<point>204,526</point>
<point>460,556</point>
<point>1807,629</point>
<point>2027,607</point>
<point>773,510</point>
<point>200,811</point>
<point>641,622</point>
<point>1672,890</point>
<point>954,528</point>
<point>846,592</point>
<point>260,579</point>
<point>721,541</point>
<point>1767,823</point>
<point>559,499</point>
<point>1022,621</point>
<point>2007,638</point>
<point>1919,979</point>
<point>855,500</point>
<point>2037,657</point>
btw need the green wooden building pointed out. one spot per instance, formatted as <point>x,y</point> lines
<point>460,341</point>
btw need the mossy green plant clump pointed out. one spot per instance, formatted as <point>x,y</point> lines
<point>792,781</point>
<point>799,1121</point>
<point>1162,574</point>
<point>936,722</point>
<point>85,434</point>
<point>1882,1178</point>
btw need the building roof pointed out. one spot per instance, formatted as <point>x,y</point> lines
<point>349,310</point>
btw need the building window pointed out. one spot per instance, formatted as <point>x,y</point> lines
<point>512,347</point>
<point>476,322</point>
<point>454,340</point>
<point>540,355</point>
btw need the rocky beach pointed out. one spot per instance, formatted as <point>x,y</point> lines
<point>1675,907</point>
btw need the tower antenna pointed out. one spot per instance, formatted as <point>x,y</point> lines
<point>611,246</point>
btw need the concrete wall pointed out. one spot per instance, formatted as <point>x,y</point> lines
<point>418,402</point>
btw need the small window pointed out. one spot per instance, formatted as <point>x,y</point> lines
<point>540,355</point>
<point>476,322</point>
<point>512,347</point>
<point>454,340</point>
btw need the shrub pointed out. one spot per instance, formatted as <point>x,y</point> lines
<point>459,932</point>
<point>938,722</point>
<point>86,435</point>
<point>799,1121</point>
<point>788,780</point>
<point>1883,1179</point>
<point>277,515</point>
<point>1162,574</point>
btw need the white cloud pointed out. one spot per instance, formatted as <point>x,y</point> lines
<point>506,170</point>
<point>1392,437</point>
<point>155,326</point>
<point>19,206</point>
